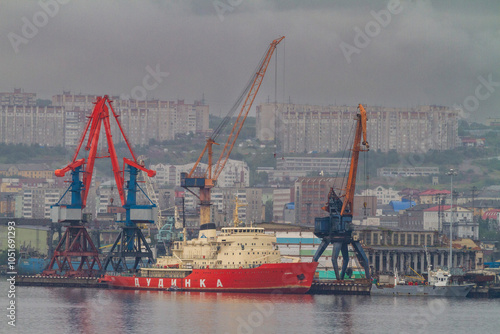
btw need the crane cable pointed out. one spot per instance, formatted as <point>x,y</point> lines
<point>277,117</point>
<point>367,178</point>
<point>235,106</point>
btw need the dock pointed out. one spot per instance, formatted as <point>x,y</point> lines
<point>341,287</point>
<point>60,281</point>
<point>492,291</point>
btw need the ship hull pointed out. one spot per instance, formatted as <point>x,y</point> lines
<point>267,278</point>
<point>422,290</point>
<point>31,266</point>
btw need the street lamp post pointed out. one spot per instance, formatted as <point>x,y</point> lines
<point>450,260</point>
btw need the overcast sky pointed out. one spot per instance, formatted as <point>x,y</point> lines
<point>431,52</point>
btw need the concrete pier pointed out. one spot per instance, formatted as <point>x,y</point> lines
<point>346,287</point>
<point>60,281</point>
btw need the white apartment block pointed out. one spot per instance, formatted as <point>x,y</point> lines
<point>18,98</point>
<point>384,196</point>
<point>281,196</point>
<point>235,173</point>
<point>439,218</point>
<point>63,122</point>
<point>37,201</point>
<point>305,128</point>
<point>331,166</point>
<point>32,125</point>
<point>407,171</point>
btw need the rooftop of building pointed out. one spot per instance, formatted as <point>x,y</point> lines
<point>444,208</point>
<point>433,192</point>
<point>26,167</point>
<point>491,214</point>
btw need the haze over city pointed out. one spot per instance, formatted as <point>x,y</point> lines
<point>420,53</point>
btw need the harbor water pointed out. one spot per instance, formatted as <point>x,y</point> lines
<point>79,310</point>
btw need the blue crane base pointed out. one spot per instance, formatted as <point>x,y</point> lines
<point>340,244</point>
<point>130,244</point>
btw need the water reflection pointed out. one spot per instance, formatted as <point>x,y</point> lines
<point>60,310</point>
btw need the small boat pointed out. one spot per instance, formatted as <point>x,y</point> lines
<point>31,263</point>
<point>438,284</point>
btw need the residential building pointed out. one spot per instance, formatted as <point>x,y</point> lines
<point>281,176</point>
<point>407,171</point>
<point>494,215</point>
<point>28,124</point>
<point>34,171</point>
<point>18,98</point>
<point>224,203</point>
<point>38,200</point>
<point>311,194</point>
<point>473,142</point>
<point>438,218</point>
<point>306,128</point>
<point>332,166</point>
<point>62,123</point>
<point>384,196</point>
<point>143,120</point>
<point>289,169</point>
<point>235,173</point>
<point>281,197</point>
<point>462,229</point>
<point>412,219</point>
<point>433,196</point>
<point>493,122</point>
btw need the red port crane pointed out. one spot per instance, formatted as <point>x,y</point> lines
<point>76,242</point>
<point>209,180</point>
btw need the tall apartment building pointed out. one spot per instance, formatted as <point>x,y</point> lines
<point>281,197</point>
<point>407,171</point>
<point>21,121</point>
<point>27,124</point>
<point>305,128</point>
<point>141,120</point>
<point>18,98</point>
<point>309,164</point>
<point>37,201</point>
<point>224,203</point>
<point>311,195</point>
<point>384,196</point>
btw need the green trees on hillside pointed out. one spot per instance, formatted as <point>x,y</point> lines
<point>21,153</point>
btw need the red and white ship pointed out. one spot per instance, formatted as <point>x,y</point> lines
<point>238,259</point>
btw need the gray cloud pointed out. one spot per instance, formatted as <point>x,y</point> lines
<point>430,53</point>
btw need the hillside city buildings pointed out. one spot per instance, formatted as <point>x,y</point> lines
<point>311,128</point>
<point>297,188</point>
<point>61,124</point>
<point>235,173</point>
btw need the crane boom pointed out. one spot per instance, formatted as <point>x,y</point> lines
<point>208,181</point>
<point>100,116</point>
<point>347,207</point>
<point>240,120</point>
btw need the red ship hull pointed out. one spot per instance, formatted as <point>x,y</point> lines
<point>267,278</point>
